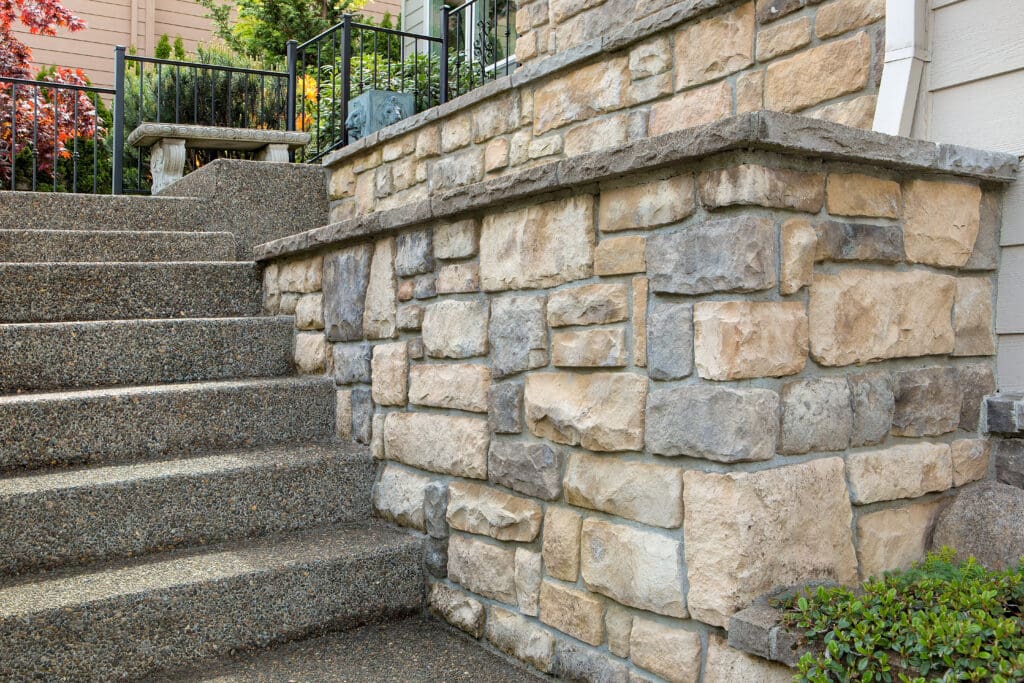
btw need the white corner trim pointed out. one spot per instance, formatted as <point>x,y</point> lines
<point>906,52</point>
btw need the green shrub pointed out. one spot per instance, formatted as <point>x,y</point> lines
<point>940,621</point>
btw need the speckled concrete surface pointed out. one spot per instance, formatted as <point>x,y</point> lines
<point>414,650</point>
<point>116,623</point>
<point>45,292</point>
<point>61,211</point>
<point>146,423</point>
<point>50,356</point>
<point>88,246</point>
<point>80,516</point>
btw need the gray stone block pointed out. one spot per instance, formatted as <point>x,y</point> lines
<point>435,557</point>
<point>435,507</point>
<point>362,415</point>
<point>581,664</point>
<point>531,468</point>
<point>816,415</point>
<point>669,340</point>
<point>345,279</point>
<point>1004,414</point>
<point>424,286</point>
<point>717,423</point>
<point>842,241</point>
<point>518,334</point>
<point>731,254</point>
<point>976,382</point>
<point>505,408</point>
<point>414,253</point>
<point>928,401</point>
<point>1009,461</point>
<point>352,363</point>
<point>873,405</point>
<point>984,521</point>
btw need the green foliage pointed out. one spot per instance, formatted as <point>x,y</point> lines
<point>163,48</point>
<point>179,49</point>
<point>940,621</point>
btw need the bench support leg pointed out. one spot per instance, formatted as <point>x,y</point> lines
<point>166,162</point>
<point>278,153</point>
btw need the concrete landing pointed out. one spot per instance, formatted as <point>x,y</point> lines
<point>414,650</point>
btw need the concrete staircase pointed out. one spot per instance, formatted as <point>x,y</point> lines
<point>170,491</point>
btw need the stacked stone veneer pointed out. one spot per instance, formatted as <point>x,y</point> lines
<point>623,412</point>
<point>690,63</point>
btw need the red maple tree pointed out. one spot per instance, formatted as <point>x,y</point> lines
<point>38,118</point>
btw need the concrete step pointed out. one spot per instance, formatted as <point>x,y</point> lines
<point>133,424</point>
<point>108,246</point>
<point>116,623</point>
<point>51,356</point>
<point>418,649</point>
<point>62,211</point>
<point>81,516</point>
<point>57,292</point>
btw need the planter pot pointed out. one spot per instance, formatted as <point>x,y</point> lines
<point>376,109</point>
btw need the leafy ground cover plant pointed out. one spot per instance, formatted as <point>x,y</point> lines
<point>942,620</point>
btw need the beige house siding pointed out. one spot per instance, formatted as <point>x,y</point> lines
<point>974,85</point>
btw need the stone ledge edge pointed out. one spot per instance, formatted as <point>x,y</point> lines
<point>764,130</point>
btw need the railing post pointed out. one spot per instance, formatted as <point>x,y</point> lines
<point>444,53</point>
<point>118,160</point>
<point>293,58</point>
<point>346,73</point>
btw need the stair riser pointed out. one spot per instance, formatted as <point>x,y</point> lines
<point>60,211</point>
<point>78,292</point>
<point>48,356</point>
<point>79,246</point>
<point>130,425</point>
<point>136,635</point>
<point>77,526</point>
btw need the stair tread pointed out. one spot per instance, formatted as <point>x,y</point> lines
<point>62,589</point>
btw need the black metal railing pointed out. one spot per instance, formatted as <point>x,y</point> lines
<point>52,136</point>
<point>480,38</point>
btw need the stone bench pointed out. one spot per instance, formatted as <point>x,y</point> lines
<point>167,143</point>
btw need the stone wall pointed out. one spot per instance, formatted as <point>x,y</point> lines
<point>622,411</point>
<point>675,67</point>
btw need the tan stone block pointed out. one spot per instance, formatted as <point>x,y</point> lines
<point>484,568</point>
<point>528,579</point>
<point>640,287</point>
<point>531,15</point>
<point>602,348</point>
<point>561,10</point>
<point>398,496</point>
<point>621,255</point>
<point>904,471</point>
<point>588,305</point>
<point>750,92</point>
<point>343,182</point>
<point>526,45</point>
<point>691,108</point>
<point>859,316</point>
<point>496,155</point>
<point>748,533</point>
<point>894,539</point>
<point>715,47</point>
<point>287,303</point>
<point>858,112</point>
<point>379,308</point>
<point>577,613</point>
<point>597,134</point>
<point>618,625</point>
<point>428,141</point>
<point>521,638</point>
<point>841,16</point>
<point>309,312</point>
<point>856,194</point>
<point>459,387</point>
<point>647,493</point>
<point>600,411</point>
<point>343,413</point>
<point>458,278</point>
<point>457,608</point>
<point>645,90</point>
<point>365,199</point>
<point>438,443</point>
<point>396,149</point>
<point>668,651</point>
<point>312,353</point>
<point>940,221</point>
<point>547,146</point>
<point>648,205</point>
<point>777,188</point>
<point>748,339</point>
<point>456,240</point>
<point>972,317</point>
<point>799,242</point>
<point>819,74</point>
<point>487,511</point>
<point>456,132</point>
<point>343,210</point>
<point>970,460</point>
<point>650,58</point>
<point>729,665</point>
<point>376,432</point>
<point>781,39</point>
<point>632,566</point>
<point>455,329</point>
<point>302,275</point>
<point>389,374</point>
<point>495,117</point>
<point>368,161</point>
<point>539,246</point>
<point>562,543</point>
<point>581,94</point>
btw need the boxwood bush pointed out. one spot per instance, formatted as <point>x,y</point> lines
<point>942,620</point>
